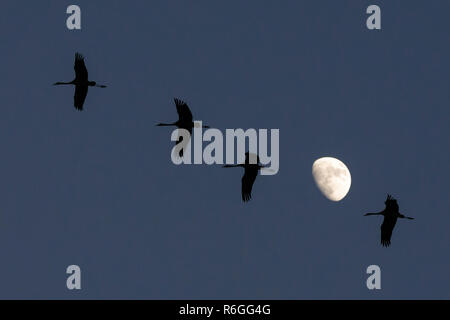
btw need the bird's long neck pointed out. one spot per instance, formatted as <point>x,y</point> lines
<point>95,84</point>
<point>62,83</point>
<point>233,165</point>
<point>404,217</point>
<point>166,124</point>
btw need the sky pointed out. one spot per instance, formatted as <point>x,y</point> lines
<point>98,188</point>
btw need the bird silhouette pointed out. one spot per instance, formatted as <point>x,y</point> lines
<point>80,82</point>
<point>251,169</point>
<point>390,214</point>
<point>184,120</point>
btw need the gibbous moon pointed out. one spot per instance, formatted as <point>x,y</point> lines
<point>332,177</point>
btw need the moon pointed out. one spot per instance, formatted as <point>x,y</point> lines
<point>332,177</point>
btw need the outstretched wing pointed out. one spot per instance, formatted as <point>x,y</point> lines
<point>180,139</point>
<point>386,230</point>
<point>251,158</point>
<point>247,183</point>
<point>81,73</point>
<point>391,204</point>
<point>184,113</point>
<point>80,96</point>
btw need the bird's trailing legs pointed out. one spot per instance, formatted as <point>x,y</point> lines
<point>373,214</point>
<point>90,84</point>
<point>405,217</point>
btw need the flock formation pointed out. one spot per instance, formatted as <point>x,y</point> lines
<point>251,167</point>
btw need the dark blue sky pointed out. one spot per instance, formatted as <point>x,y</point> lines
<point>98,189</point>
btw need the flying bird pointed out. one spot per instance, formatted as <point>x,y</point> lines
<point>251,169</point>
<point>390,214</point>
<point>80,82</point>
<point>184,120</point>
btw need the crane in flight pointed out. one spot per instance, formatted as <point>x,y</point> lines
<point>251,169</point>
<point>80,82</point>
<point>390,214</point>
<point>184,120</point>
